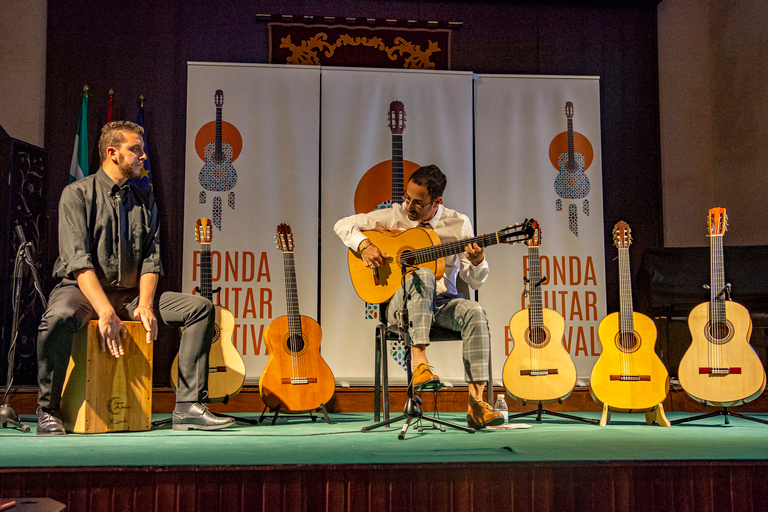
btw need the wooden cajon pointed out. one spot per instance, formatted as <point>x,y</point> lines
<point>107,394</point>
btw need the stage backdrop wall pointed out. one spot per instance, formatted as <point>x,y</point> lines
<point>520,132</point>
<point>355,139</point>
<point>270,118</point>
<point>330,139</point>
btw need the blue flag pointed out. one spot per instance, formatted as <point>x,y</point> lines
<point>145,180</point>
<point>79,166</point>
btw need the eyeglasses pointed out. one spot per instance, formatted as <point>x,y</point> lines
<point>417,204</point>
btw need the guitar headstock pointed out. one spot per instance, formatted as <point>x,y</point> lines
<point>517,233</point>
<point>219,98</point>
<point>203,231</point>
<point>717,221</point>
<point>535,240</point>
<point>622,235</point>
<point>284,238</point>
<point>569,109</point>
<point>396,116</point>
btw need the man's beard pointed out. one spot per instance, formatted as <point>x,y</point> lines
<point>126,170</point>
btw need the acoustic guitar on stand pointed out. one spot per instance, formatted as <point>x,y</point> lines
<point>296,379</point>
<point>538,369</point>
<point>417,247</point>
<point>628,376</point>
<point>720,367</point>
<point>226,368</point>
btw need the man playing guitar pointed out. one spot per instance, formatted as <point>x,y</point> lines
<point>433,300</point>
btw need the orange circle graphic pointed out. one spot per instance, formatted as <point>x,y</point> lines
<point>375,186</point>
<point>581,145</point>
<point>229,134</point>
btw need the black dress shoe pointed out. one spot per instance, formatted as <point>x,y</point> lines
<point>198,417</point>
<point>49,422</point>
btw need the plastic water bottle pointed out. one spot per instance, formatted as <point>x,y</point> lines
<point>501,406</point>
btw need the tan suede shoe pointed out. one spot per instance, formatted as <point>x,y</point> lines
<point>423,375</point>
<point>480,415</point>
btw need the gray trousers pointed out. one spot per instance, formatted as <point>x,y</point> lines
<point>458,314</point>
<point>69,311</point>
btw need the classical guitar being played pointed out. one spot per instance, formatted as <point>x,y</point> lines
<point>296,379</point>
<point>226,368</point>
<point>417,247</point>
<point>720,367</point>
<point>538,369</point>
<point>628,376</point>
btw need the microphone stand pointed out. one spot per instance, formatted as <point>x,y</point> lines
<point>412,410</point>
<point>23,255</point>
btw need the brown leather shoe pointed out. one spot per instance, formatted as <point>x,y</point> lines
<point>423,375</point>
<point>480,415</point>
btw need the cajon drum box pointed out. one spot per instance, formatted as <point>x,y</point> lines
<point>107,394</point>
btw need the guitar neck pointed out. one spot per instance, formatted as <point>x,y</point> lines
<point>218,134</point>
<point>397,167</point>
<point>571,151</point>
<point>626,318</point>
<point>717,280</point>
<point>436,252</point>
<point>291,296</point>
<point>206,281</point>
<point>535,314</point>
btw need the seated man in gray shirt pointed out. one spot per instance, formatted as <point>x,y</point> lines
<point>109,265</point>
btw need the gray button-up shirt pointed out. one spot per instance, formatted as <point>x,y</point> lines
<point>112,230</point>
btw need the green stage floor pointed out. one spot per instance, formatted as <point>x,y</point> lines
<point>297,440</point>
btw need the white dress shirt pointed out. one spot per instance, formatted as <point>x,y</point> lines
<point>449,225</point>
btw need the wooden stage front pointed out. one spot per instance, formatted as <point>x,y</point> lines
<point>417,477</point>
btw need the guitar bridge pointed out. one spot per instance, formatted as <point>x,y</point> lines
<point>540,372</point>
<point>631,378</point>
<point>299,380</point>
<point>720,370</point>
<point>217,369</point>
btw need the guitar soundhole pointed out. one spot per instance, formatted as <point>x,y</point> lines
<point>628,341</point>
<point>408,258</point>
<point>295,345</point>
<point>537,337</point>
<point>216,333</point>
<point>719,332</point>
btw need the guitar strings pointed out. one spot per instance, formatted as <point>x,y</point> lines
<point>626,315</point>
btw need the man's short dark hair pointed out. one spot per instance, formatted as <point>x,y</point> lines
<point>112,135</point>
<point>431,177</point>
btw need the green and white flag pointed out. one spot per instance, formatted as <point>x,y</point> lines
<point>79,167</point>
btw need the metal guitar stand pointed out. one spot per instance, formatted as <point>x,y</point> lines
<point>23,255</point>
<point>412,410</point>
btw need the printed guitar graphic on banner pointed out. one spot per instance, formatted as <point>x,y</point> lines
<point>372,189</point>
<point>218,174</point>
<point>571,154</point>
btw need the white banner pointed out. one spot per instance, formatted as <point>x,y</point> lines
<point>269,117</point>
<point>521,129</point>
<point>356,143</point>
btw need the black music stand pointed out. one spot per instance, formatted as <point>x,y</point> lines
<point>23,255</point>
<point>412,410</point>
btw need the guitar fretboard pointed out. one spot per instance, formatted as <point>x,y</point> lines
<point>535,315</point>
<point>435,252</point>
<point>717,280</point>
<point>206,285</point>
<point>397,168</point>
<point>571,153</point>
<point>627,321</point>
<point>217,153</point>
<point>292,297</point>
